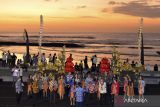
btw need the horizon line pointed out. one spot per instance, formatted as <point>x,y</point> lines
<point>69,32</point>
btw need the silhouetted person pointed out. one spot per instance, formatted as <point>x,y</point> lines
<point>156,67</point>
<point>13,61</point>
<point>133,64</point>
<point>81,67</point>
<point>54,58</point>
<point>9,58</point>
<point>3,59</point>
<point>76,67</point>
<point>86,63</point>
<point>148,68</point>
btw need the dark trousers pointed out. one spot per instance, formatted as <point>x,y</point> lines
<point>109,98</point>
<point>18,97</point>
<point>3,63</point>
<point>112,100</point>
<point>35,98</point>
<point>52,96</point>
<point>9,62</point>
<point>21,78</point>
<point>40,94</point>
<point>91,99</point>
<point>13,62</point>
<point>103,99</point>
<point>67,89</point>
<point>79,104</point>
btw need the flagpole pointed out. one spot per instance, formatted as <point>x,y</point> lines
<point>140,43</point>
<point>40,35</point>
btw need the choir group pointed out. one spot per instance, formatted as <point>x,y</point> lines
<point>96,87</point>
<point>81,87</point>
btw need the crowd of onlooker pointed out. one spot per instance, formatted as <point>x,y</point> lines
<point>10,60</point>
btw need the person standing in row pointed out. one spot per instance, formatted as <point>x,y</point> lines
<point>130,89</point>
<point>94,60</point>
<point>50,58</point>
<point>21,73</point>
<point>115,88</point>
<point>91,92</point>
<point>40,86</point>
<point>19,89</point>
<point>79,94</point>
<point>43,60</point>
<point>54,58</point>
<point>13,59</point>
<point>77,79</point>
<point>35,89</point>
<point>53,85</point>
<point>103,91</point>
<point>15,74</point>
<point>9,59</point>
<point>4,58</point>
<point>68,81</point>
<point>141,87</point>
<point>81,67</point>
<point>35,60</point>
<point>61,87</point>
<point>72,95</point>
<point>86,64</point>
<point>29,85</point>
<point>45,86</point>
<point>125,86</point>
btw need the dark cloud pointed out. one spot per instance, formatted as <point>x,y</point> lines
<point>112,2</point>
<point>81,7</point>
<point>116,3</point>
<point>139,8</point>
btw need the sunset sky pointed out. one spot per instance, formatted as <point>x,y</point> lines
<point>79,15</point>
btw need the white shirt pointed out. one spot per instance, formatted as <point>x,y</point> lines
<point>50,58</point>
<point>4,57</point>
<point>20,72</point>
<point>43,58</point>
<point>16,72</point>
<point>102,88</point>
<point>94,60</point>
<point>148,67</point>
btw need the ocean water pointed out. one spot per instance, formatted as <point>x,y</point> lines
<point>100,44</point>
